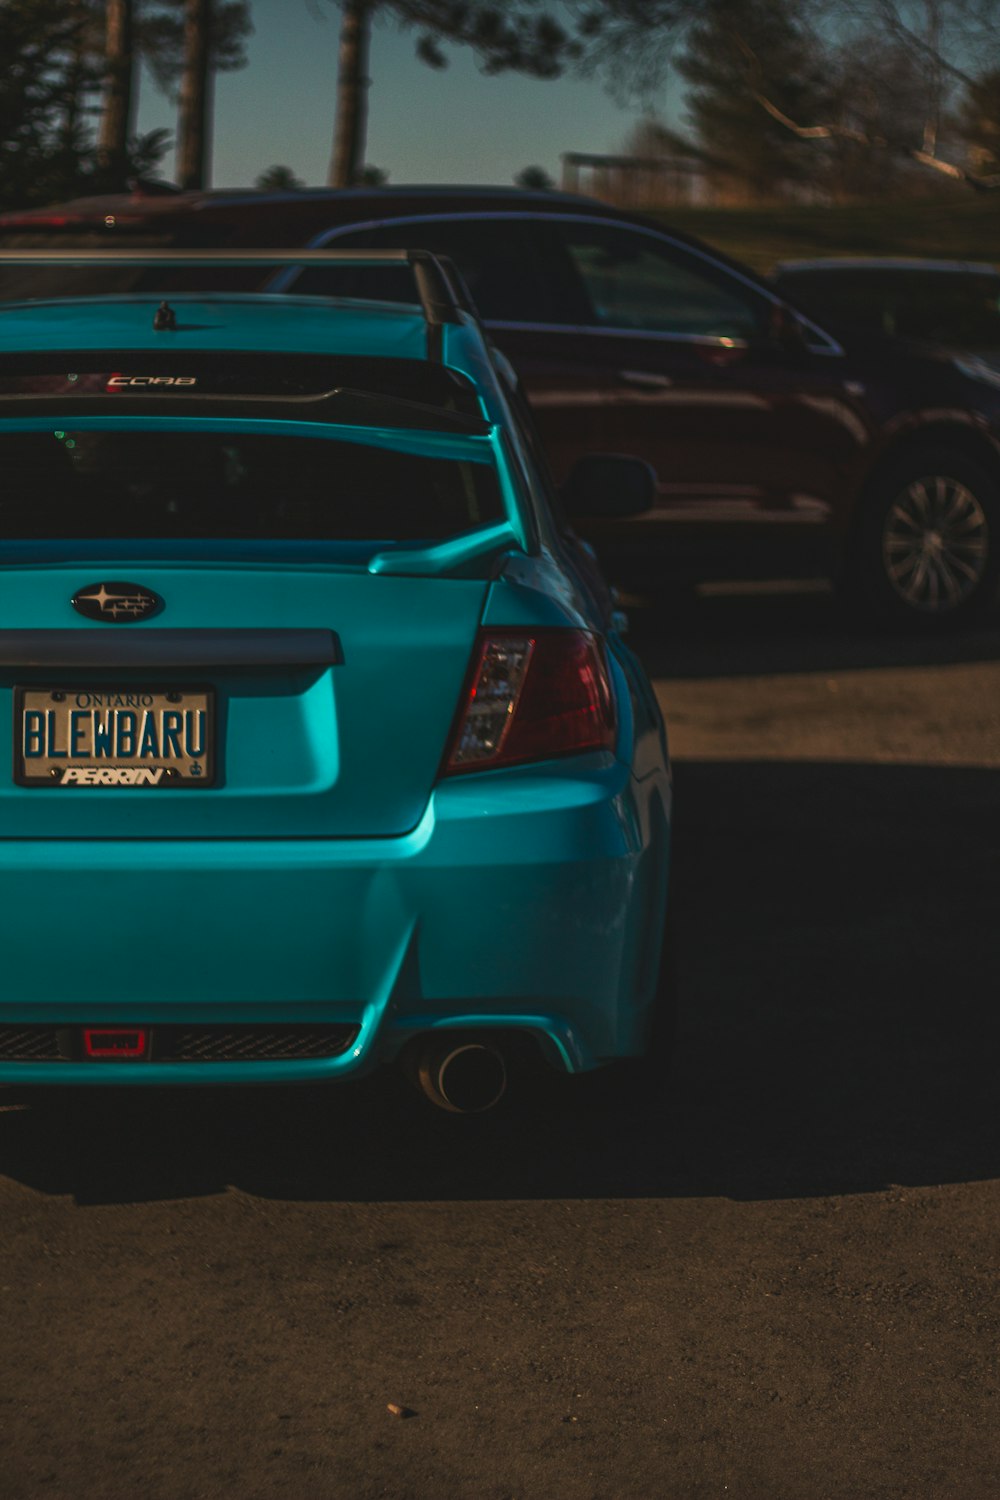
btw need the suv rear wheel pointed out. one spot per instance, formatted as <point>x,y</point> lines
<point>928,548</point>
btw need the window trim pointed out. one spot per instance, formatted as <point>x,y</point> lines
<point>827,345</point>
<point>711,341</point>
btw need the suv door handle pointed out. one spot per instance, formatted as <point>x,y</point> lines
<point>647,378</point>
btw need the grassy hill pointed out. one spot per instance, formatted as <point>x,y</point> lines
<point>960,227</point>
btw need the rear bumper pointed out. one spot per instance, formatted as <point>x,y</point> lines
<point>528,900</point>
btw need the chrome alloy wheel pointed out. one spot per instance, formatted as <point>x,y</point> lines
<point>935,544</point>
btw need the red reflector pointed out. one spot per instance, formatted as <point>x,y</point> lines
<point>531,697</point>
<point>115,1041</point>
<point>44,221</point>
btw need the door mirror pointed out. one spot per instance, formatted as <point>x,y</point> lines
<point>609,484</point>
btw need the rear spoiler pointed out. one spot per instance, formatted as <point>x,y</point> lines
<point>441,292</point>
<point>341,406</point>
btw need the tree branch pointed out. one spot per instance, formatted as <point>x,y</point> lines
<point>818,132</point>
<point>981,182</point>
<point>898,28</point>
<point>923,156</point>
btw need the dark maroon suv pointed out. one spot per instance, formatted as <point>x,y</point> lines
<point>780,450</point>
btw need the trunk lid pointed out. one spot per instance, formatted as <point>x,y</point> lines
<point>334,693</point>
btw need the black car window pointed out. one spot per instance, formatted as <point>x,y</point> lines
<point>228,485</point>
<point>633,282</point>
<point>493,255</point>
<point>948,307</point>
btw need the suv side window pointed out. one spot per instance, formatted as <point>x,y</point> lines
<point>635,284</point>
<point>493,255</point>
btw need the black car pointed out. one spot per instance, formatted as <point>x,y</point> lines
<point>784,446</point>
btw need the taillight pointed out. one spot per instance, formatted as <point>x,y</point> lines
<point>532,696</point>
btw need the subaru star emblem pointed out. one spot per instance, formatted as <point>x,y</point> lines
<point>116,603</point>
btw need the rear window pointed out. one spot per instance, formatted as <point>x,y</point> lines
<point>179,486</point>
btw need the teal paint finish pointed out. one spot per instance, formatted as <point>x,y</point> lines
<point>258,324</point>
<point>507,907</point>
<point>447,557</point>
<point>332,874</point>
<point>345,752</point>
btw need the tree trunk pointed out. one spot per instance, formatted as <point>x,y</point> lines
<point>349,132</point>
<point>116,121</point>
<point>194,120</point>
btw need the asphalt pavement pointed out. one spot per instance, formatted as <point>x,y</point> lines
<point>777,1279</point>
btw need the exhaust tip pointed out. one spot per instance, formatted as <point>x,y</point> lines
<point>464,1077</point>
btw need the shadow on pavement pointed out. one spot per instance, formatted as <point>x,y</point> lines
<point>759,633</point>
<point>838,966</point>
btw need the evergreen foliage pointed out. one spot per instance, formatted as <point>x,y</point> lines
<point>521,35</point>
<point>160,32</point>
<point>278,179</point>
<point>851,97</point>
<point>979,121</point>
<point>50,91</point>
<point>535,179</point>
<point>736,51</point>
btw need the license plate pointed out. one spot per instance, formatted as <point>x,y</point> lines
<point>111,737</point>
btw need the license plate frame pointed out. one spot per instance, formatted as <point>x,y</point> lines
<point>114,770</point>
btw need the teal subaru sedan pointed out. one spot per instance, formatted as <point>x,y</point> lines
<point>326,751</point>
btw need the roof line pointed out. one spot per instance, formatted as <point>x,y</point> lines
<point>442,294</point>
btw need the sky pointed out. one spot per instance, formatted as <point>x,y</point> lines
<point>424,125</point>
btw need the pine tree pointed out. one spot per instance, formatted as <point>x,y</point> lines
<point>185,43</point>
<point>120,61</point>
<point>193,127</point>
<point>520,35</point>
<point>849,95</point>
<point>739,51</point>
<point>48,88</point>
<point>350,123</point>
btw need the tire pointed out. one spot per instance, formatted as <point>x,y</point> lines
<point>927,551</point>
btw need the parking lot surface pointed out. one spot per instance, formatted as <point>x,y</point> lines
<point>779,1279</point>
